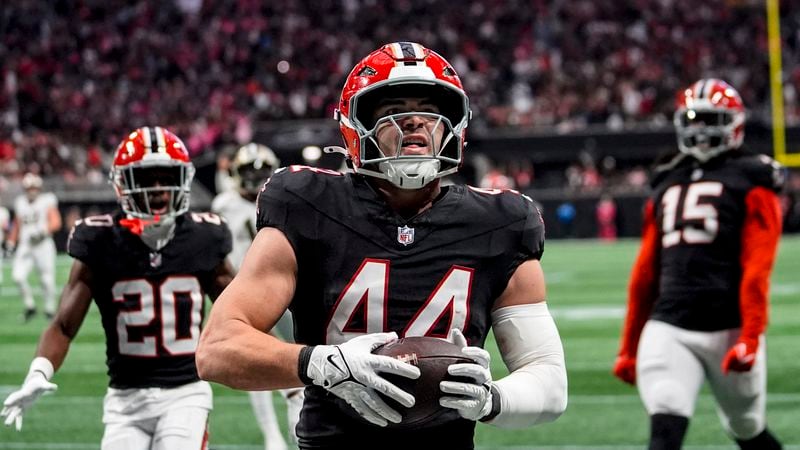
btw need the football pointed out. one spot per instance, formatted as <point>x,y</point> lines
<point>432,356</point>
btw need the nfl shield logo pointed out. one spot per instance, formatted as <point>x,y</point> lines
<point>155,260</point>
<point>405,235</point>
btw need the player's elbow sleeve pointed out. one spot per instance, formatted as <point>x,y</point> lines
<point>531,395</point>
<point>536,389</point>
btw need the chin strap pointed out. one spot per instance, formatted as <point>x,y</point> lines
<point>154,233</point>
<point>136,225</point>
<point>410,174</point>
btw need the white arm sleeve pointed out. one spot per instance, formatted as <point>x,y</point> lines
<point>536,389</point>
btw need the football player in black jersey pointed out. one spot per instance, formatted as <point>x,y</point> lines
<point>698,293</point>
<point>387,251</point>
<point>148,269</point>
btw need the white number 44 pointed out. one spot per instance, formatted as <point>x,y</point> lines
<point>368,290</point>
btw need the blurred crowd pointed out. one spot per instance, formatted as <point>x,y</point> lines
<point>77,74</point>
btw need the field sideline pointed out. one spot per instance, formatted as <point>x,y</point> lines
<point>586,292</point>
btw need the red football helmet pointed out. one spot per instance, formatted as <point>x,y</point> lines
<point>150,161</point>
<point>403,70</point>
<point>709,119</point>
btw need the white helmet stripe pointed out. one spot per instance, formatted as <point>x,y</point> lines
<point>697,89</point>
<point>407,53</point>
<point>161,141</point>
<point>398,52</point>
<point>418,52</point>
<point>148,140</point>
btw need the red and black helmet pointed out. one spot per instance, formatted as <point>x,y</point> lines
<point>401,69</point>
<point>144,151</point>
<point>709,119</point>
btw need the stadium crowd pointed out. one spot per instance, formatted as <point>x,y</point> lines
<point>78,73</point>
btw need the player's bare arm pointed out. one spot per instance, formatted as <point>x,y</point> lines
<point>76,297</point>
<point>223,275</point>
<point>526,286</point>
<point>13,233</point>
<point>235,348</point>
<point>53,345</point>
<point>53,220</point>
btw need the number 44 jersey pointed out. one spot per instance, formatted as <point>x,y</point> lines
<point>151,303</point>
<point>364,269</point>
<point>700,212</point>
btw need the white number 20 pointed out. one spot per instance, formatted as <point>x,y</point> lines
<point>171,316</point>
<point>692,209</point>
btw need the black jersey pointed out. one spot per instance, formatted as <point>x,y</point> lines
<point>151,303</point>
<point>364,269</point>
<point>700,210</point>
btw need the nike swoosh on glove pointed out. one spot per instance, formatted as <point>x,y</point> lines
<point>351,372</point>
<point>625,369</point>
<point>740,357</point>
<point>18,401</point>
<point>472,400</point>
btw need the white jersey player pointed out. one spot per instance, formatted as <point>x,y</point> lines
<point>36,218</point>
<point>252,165</point>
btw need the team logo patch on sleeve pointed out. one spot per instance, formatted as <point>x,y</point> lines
<point>405,235</point>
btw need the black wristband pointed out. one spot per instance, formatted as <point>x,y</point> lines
<point>495,405</point>
<point>302,364</point>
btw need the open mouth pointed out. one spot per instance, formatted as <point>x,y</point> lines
<point>415,145</point>
<point>159,209</point>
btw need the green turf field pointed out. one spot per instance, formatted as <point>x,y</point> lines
<point>586,281</point>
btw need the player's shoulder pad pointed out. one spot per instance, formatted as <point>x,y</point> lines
<point>51,198</point>
<point>207,221</point>
<point>762,170</point>
<point>89,232</point>
<point>211,227</point>
<point>298,178</point>
<point>665,164</point>
<point>511,207</point>
<point>509,203</point>
<point>305,184</point>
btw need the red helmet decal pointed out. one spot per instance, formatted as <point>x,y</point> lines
<point>149,140</point>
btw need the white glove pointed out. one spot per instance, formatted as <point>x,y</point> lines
<point>35,385</point>
<point>351,372</point>
<point>472,400</point>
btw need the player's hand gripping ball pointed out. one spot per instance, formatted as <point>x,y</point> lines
<point>432,356</point>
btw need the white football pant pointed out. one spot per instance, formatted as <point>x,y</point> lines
<point>43,257</point>
<point>673,363</point>
<point>157,418</point>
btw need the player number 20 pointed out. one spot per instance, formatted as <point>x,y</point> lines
<point>693,209</point>
<point>179,315</point>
